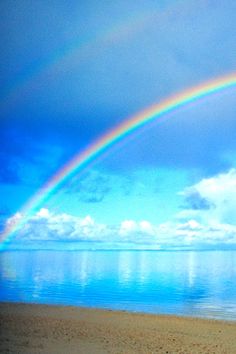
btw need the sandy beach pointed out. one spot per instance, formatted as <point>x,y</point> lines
<point>55,329</point>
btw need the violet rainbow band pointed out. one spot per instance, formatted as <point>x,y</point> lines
<point>105,142</point>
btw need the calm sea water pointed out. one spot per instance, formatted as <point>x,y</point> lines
<point>182,283</point>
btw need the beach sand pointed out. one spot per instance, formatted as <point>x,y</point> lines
<point>32,329</point>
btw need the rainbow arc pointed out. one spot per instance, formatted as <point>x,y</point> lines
<point>104,143</point>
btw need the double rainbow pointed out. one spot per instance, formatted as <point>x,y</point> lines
<point>95,150</point>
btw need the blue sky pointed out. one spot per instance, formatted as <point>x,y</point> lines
<point>71,71</point>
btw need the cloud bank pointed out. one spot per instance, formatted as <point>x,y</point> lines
<point>212,200</point>
<point>207,220</point>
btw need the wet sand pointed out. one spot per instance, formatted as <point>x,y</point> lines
<point>56,329</point>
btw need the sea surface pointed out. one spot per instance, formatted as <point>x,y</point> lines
<point>182,283</point>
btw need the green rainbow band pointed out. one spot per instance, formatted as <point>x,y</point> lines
<point>81,160</point>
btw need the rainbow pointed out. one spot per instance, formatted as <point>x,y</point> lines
<point>101,145</point>
<point>85,47</point>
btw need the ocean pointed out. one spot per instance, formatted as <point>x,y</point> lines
<point>189,283</point>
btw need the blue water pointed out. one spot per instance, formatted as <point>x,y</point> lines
<point>183,283</point>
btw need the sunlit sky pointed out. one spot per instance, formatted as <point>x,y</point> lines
<point>72,70</point>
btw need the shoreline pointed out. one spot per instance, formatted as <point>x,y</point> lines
<point>33,328</point>
<point>131,312</point>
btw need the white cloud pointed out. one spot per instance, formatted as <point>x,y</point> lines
<point>208,220</point>
<point>127,227</point>
<point>45,226</point>
<point>48,226</point>
<point>44,213</point>
<point>212,200</point>
<point>13,220</point>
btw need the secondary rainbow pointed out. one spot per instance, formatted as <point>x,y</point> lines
<point>95,150</point>
<point>84,47</point>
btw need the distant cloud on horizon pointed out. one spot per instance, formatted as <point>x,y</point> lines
<point>192,227</point>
